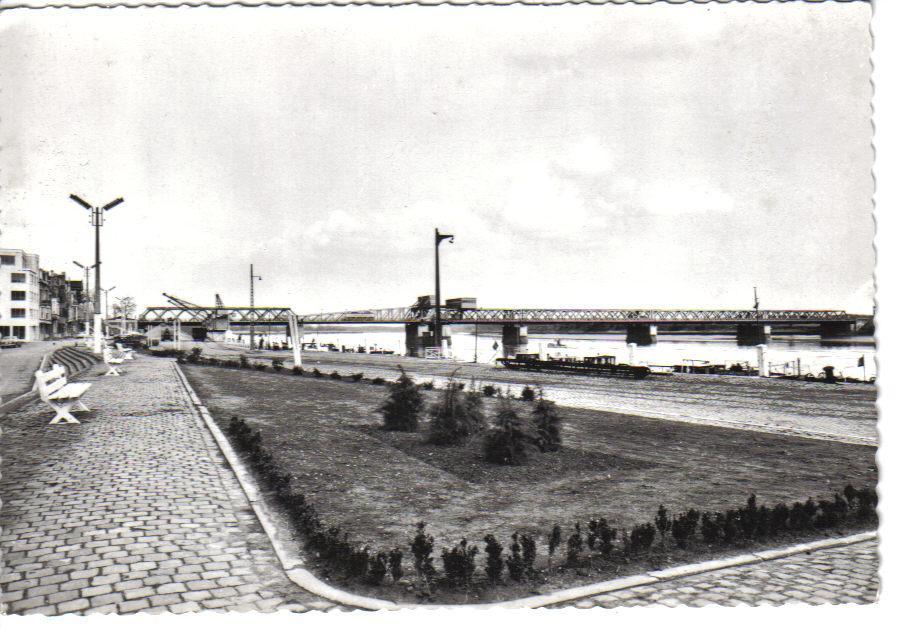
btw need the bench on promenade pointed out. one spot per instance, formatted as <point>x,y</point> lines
<point>112,362</point>
<point>125,352</point>
<point>61,395</point>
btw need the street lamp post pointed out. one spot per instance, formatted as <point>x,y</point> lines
<point>85,295</point>
<point>258,278</point>
<point>106,291</point>
<point>98,219</point>
<point>438,238</point>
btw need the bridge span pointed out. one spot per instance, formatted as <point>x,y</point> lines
<point>640,325</point>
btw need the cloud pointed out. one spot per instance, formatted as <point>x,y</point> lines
<point>684,196</point>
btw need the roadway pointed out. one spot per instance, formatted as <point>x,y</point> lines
<point>18,366</point>
<point>841,412</point>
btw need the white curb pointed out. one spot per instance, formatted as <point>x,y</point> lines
<point>300,575</point>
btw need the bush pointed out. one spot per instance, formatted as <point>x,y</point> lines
<point>335,375</point>
<point>422,546</point>
<point>243,362</point>
<point>642,537</point>
<point>260,366</point>
<point>710,529</point>
<point>357,377</point>
<point>429,385</point>
<point>317,372</point>
<point>515,565</point>
<point>377,569</point>
<point>456,416</point>
<point>297,370</point>
<point>195,355</point>
<point>663,525</point>
<point>684,527</point>
<point>494,563</point>
<point>554,542</point>
<point>574,546</point>
<point>396,564</point>
<point>527,394</point>
<point>459,565</point>
<point>488,390</point>
<point>548,424</point>
<point>600,537</point>
<point>378,381</point>
<point>403,406</point>
<point>277,364</point>
<point>506,442</point>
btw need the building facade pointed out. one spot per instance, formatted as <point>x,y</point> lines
<point>20,295</point>
<point>63,312</point>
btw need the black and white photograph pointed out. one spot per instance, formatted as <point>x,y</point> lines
<point>377,308</point>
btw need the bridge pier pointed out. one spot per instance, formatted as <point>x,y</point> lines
<point>751,334</point>
<point>416,333</point>
<point>642,334</point>
<point>837,329</point>
<point>513,339</point>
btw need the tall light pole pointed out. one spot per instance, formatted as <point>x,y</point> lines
<point>98,219</point>
<point>85,292</point>
<point>258,278</point>
<point>106,291</point>
<point>438,238</point>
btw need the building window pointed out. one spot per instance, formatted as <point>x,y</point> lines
<point>17,278</point>
<point>17,295</point>
<point>17,312</point>
<point>8,260</point>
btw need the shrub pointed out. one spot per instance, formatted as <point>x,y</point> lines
<point>600,536</point>
<point>456,416</point>
<point>642,537</point>
<point>684,527</point>
<point>422,546</point>
<point>494,563</point>
<point>710,529</point>
<point>195,355</point>
<point>548,424</point>
<point>574,546</point>
<point>317,372</point>
<point>459,565</point>
<point>403,406</point>
<point>243,362</point>
<point>396,564</point>
<point>277,364</point>
<point>377,569</point>
<point>297,370</point>
<point>378,381</point>
<point>867,504</point>
<point>260,366</point>
<point>335,375</point>
<point>506,443</point>
<point>779,519</point>
<point>528,547</point>
<point>515,565</point>
<point>663,525</point>
<point>554,542</point>
<point>429,385</point>
<point>357,377</point>
<point>488,390</point>
<point>527,394</point>
<point>357,563</point>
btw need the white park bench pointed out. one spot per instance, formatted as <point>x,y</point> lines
<point>61,395</point>
<point>126,352</point>
<point>112,362</point>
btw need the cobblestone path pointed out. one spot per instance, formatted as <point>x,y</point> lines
<point>838,575</point>
<point>134,509</point>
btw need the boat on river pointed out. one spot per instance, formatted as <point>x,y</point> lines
<point>599,366</point>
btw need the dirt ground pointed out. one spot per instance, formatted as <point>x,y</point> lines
<point>376,485</point>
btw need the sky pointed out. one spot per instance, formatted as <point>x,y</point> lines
<point>624,156</point>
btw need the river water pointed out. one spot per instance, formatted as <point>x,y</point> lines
<point>811,352</point>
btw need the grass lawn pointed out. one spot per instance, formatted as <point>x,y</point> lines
<point>376,484</point>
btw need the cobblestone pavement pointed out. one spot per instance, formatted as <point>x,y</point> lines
<point>839,575</point>
<point>134,509</point>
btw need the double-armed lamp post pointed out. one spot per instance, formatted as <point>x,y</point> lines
<point>85,296</point>
<point>97,221</point>
<point>258,278</point>
<point>438,238</point>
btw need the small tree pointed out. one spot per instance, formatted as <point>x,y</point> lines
<point>459,565</point>
<point>548,424</point>
<point>422,546</point>
<point>527,394</point>
<point>554,541</point>
<point>403,406</point>
<point>457,416</point>
<point>396,564</point>
<point>574,545</point>
<point>663,524</point>
<point>506,443</point>
<point>494,563</point>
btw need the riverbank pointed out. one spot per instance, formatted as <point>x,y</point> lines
<point>845,413</point>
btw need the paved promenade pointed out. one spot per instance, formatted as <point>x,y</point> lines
<point>132,510</point>
<point>839,575</point>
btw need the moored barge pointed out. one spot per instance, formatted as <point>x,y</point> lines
<point>599,366</point>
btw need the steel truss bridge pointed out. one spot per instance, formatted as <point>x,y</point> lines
<point>415,314</point>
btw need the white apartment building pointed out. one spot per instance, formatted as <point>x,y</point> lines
<point>20,310</point>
